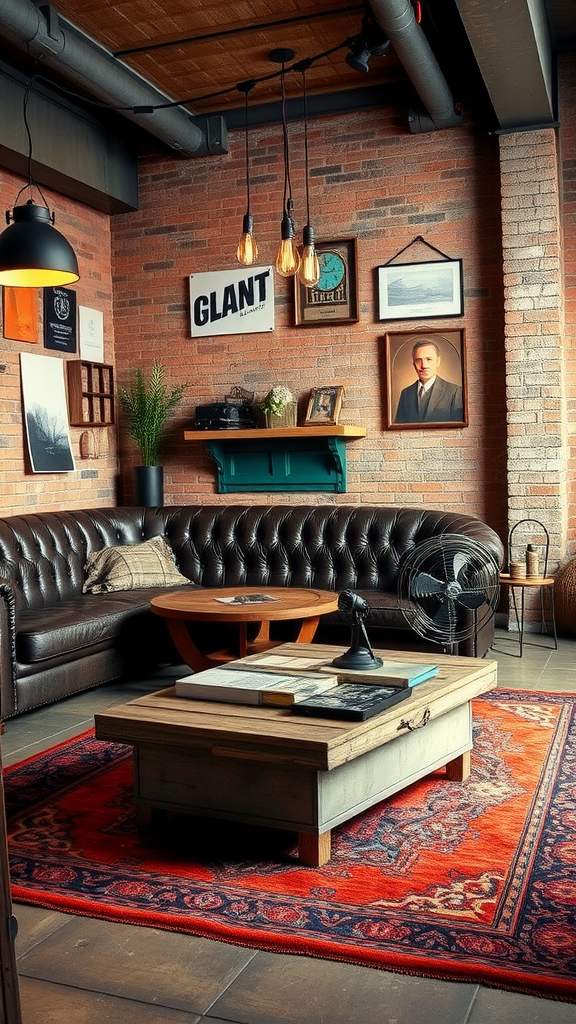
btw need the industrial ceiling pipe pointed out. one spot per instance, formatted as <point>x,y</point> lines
<point>103,76</point>
<point>398,20</point>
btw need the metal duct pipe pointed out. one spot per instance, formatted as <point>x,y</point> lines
<point>398,20</point>
<point>98,72</point>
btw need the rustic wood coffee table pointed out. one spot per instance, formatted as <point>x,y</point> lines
<point>265,766</point>
<point>205,605</point>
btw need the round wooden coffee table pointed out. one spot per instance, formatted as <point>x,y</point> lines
<point>239,605</point>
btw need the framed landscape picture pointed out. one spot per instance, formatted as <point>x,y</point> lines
<point>426,290</point>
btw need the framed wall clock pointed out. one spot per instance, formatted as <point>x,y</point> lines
<point>335,298</point>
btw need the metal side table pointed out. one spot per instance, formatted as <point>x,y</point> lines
<point>544,583</point>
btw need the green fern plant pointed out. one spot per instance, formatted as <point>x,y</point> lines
<point>146,406</point>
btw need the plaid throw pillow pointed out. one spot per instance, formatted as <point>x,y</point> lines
<point>132,567</point>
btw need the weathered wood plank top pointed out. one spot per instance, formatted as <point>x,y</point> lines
<point>275,735</point>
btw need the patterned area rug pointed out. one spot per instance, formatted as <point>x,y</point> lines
<point>472,881</point>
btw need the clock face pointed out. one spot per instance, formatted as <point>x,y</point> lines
<point>331,271</point>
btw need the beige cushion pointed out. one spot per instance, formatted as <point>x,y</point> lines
<point>132,567</point>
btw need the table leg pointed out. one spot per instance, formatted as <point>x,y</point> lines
<point>314,850</point>
<point>149,819</point>
<point>263,632</point>
<point>186,646</point>
<point>307,630</point>
<point>459,769</point>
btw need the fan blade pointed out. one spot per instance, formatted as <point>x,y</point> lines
<point>445,617</point>
<point>424,584</point>
<point>471,600</point>
<point>460,561</point>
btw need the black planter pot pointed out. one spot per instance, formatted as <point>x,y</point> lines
<point>149,485</point>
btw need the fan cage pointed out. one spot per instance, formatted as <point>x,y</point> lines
<point>449,588</point>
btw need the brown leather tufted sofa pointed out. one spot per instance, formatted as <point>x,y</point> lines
<point>55,640</point>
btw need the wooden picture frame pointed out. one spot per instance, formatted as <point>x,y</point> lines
<point>324,405</point>
<point>334,300</point>
<point>413,357</point>
<point>410,290</point>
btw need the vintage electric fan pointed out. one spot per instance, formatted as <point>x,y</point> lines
<point>449,588</point>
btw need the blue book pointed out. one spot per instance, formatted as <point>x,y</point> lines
<point>391,673</point>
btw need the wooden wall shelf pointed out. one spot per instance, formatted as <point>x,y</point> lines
<point>90,393</point>
<point>279,458</point>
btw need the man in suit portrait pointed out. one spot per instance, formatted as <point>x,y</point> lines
<point>430,399</point>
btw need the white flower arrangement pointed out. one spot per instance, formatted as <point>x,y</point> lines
<point>277,399</point>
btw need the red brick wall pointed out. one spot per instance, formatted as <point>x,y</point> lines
<point>370,179</point>
<point>94,481</point>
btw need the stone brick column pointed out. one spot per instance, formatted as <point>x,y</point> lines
<point>533,322</point>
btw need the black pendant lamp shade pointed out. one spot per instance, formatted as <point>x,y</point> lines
<point>33,254</point>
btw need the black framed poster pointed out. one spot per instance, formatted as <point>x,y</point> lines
<point>60,319</point>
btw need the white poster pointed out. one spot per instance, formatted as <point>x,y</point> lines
<point>232,302</point>
<point>46,414</point>
<point>91,334</point>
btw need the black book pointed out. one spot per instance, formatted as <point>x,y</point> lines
<point>353,701</point>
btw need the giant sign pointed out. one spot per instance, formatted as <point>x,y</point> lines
<point>232,302</point>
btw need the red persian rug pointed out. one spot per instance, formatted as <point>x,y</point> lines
<point>472,881</point>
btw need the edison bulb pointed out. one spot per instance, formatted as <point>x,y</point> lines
<point>288,258</point>
<point>247,251</point>
<point>309,270</point>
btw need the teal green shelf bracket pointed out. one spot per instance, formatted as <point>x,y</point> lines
<point>280,464</point>
<point>279,458</point>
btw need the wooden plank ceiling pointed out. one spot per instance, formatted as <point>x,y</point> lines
<point>199,50</point>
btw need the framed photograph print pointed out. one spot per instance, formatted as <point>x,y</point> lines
<point>409,290</point>
<point>426,384</point>
<point>335,298</point>
<point>324,405</point>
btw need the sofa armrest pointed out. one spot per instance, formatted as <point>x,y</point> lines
<point>8,696</point>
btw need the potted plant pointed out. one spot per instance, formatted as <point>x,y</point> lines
<point>146,406</point>
<point>279,407</point>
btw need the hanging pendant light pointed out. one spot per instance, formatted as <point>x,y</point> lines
<point>288,258</point>
<point>247,251</point>
<point>33,254</point>
<point>309,269</point>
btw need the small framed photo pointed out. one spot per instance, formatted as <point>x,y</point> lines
<point>334,299</point>
<point>324,405</point>
<point>410,290</point>
<point>426,384</point>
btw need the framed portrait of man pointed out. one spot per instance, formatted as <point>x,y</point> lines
<point>425,382</point>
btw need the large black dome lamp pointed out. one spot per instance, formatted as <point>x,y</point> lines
<point>360,655</point>
<point>33,254</point>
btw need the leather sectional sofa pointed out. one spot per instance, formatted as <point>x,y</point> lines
<point>56,640</point>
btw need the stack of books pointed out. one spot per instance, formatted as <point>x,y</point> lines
<point>307,686</point>
<point>237,686</point>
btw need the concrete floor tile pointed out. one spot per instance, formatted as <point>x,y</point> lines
<point>165,968</point>
<point>34,925</point>
<point>46,1003</point>
<point>297,990</point>
<point>493,1005</point>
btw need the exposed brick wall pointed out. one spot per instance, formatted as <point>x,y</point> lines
<point>534,317</point>
<point>94,481</point>
<point>372,179</point>
<point>567,89</point>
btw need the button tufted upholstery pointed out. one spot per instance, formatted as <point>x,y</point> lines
<point>54,640</point>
